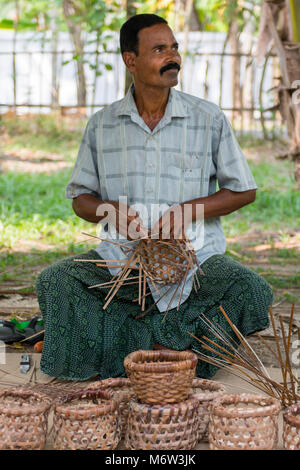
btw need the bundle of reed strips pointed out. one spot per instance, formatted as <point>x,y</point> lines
<point>161,262</point>
<point>242,361</point>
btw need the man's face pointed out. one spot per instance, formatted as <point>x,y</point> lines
<point>157,50</point>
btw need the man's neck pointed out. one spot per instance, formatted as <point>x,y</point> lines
<point>151,103</point>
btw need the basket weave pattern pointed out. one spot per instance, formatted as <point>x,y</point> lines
<point>122,390</point>
<point>23,419</point>
<point>206,391</point>
<point>160,377</point>
<point>291,427</point>
<point>244,422</point>
<point>167,427</point>
<point>86,420</point>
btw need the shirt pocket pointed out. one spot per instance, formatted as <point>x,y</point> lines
<point>190,169</point>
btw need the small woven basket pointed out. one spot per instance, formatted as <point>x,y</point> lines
<point>122,390</point>
<point>206,391</point>
<point>166,262</point>
<point>160,377</point>
<point>23,419</point>
<point>167,427</point>
<point>86,420</point>
<point>244,422</point>
<point>291,427</point>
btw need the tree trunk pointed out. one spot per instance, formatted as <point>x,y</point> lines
<point>76,35</point>
<point>280,21</point>
<point>236,69</point>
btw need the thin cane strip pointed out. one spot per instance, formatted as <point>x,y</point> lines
<point>287,362</point>
<point>110,282</point>
<point>277,342</point>
<point>266,389</point>
<point>106,240</point>
<point>220,330</point>
<point>169,304</point>
<point>118,285</point>
<point>244,342</point>
<point>154,305</point>
<point>144,292</point>
<point>123,274</point>
<point>264,386</point>
<point>220,364</point>
<point>184,282</point>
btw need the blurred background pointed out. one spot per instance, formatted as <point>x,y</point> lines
<point>60,63</point>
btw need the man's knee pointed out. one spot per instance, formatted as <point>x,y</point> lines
<point>261,290</point>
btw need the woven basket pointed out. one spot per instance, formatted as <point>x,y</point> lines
<point>86,420</point>
<point>291,427</point>
<point>244,422</point>
<point>206,391</point>
<point>23,419</point>
<point>122,390</point>
<point>166,262</point>
<point>167,427</point>
<point>160,377</point>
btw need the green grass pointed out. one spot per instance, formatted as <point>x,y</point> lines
<point>43,134</point>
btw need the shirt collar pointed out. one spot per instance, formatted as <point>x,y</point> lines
<point>175,106</point>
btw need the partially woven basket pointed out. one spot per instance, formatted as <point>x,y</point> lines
<point>291,427</point>
<point>244,422</point>
<point>160,377</point>
<point>122,390</point>
<point>23,419</point>
<point>86,420</point>
<point>164,261</point>
<point>162,427</point>
<point>206,391</point>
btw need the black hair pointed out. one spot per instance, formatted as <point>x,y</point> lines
<point>130,29</point>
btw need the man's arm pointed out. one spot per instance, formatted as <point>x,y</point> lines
<point>222,202</point>
<point>86,205</point>
<point>124,218</point>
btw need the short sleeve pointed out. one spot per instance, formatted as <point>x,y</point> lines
<point>85,176</point>
<point>232,170</point>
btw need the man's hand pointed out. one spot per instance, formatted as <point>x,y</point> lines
<point>124,218</point>
<point>172,224</point>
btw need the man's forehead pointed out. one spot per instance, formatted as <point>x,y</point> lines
<point>157,34</point>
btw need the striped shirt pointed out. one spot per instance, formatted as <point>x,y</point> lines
<point>191,149</point>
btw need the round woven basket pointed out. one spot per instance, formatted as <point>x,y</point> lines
<point>166,262</point>
<point>23,419</point>
<point>162,427</point>
<point>244,422</point>
<point>160,377</point>
<point>206,391</point>
<point>122,390</point>
<point>86,420</point>
<point>291,427</point>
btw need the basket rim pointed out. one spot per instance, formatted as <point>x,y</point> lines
<point>268,405</point>
<point>64,407</point>
<point>290,414</point>
<point>18,410</point>
<point>182,360</point>
<point>208,394</point>
<point>166,409</point>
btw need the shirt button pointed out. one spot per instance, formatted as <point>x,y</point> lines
<point>150,165</point>
<point>149,190</point>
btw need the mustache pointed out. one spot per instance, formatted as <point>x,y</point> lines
<point>171,65</point>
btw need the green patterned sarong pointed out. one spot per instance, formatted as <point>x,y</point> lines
<point>82,340</point>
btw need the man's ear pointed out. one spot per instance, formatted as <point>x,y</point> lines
<point>129,60</point>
